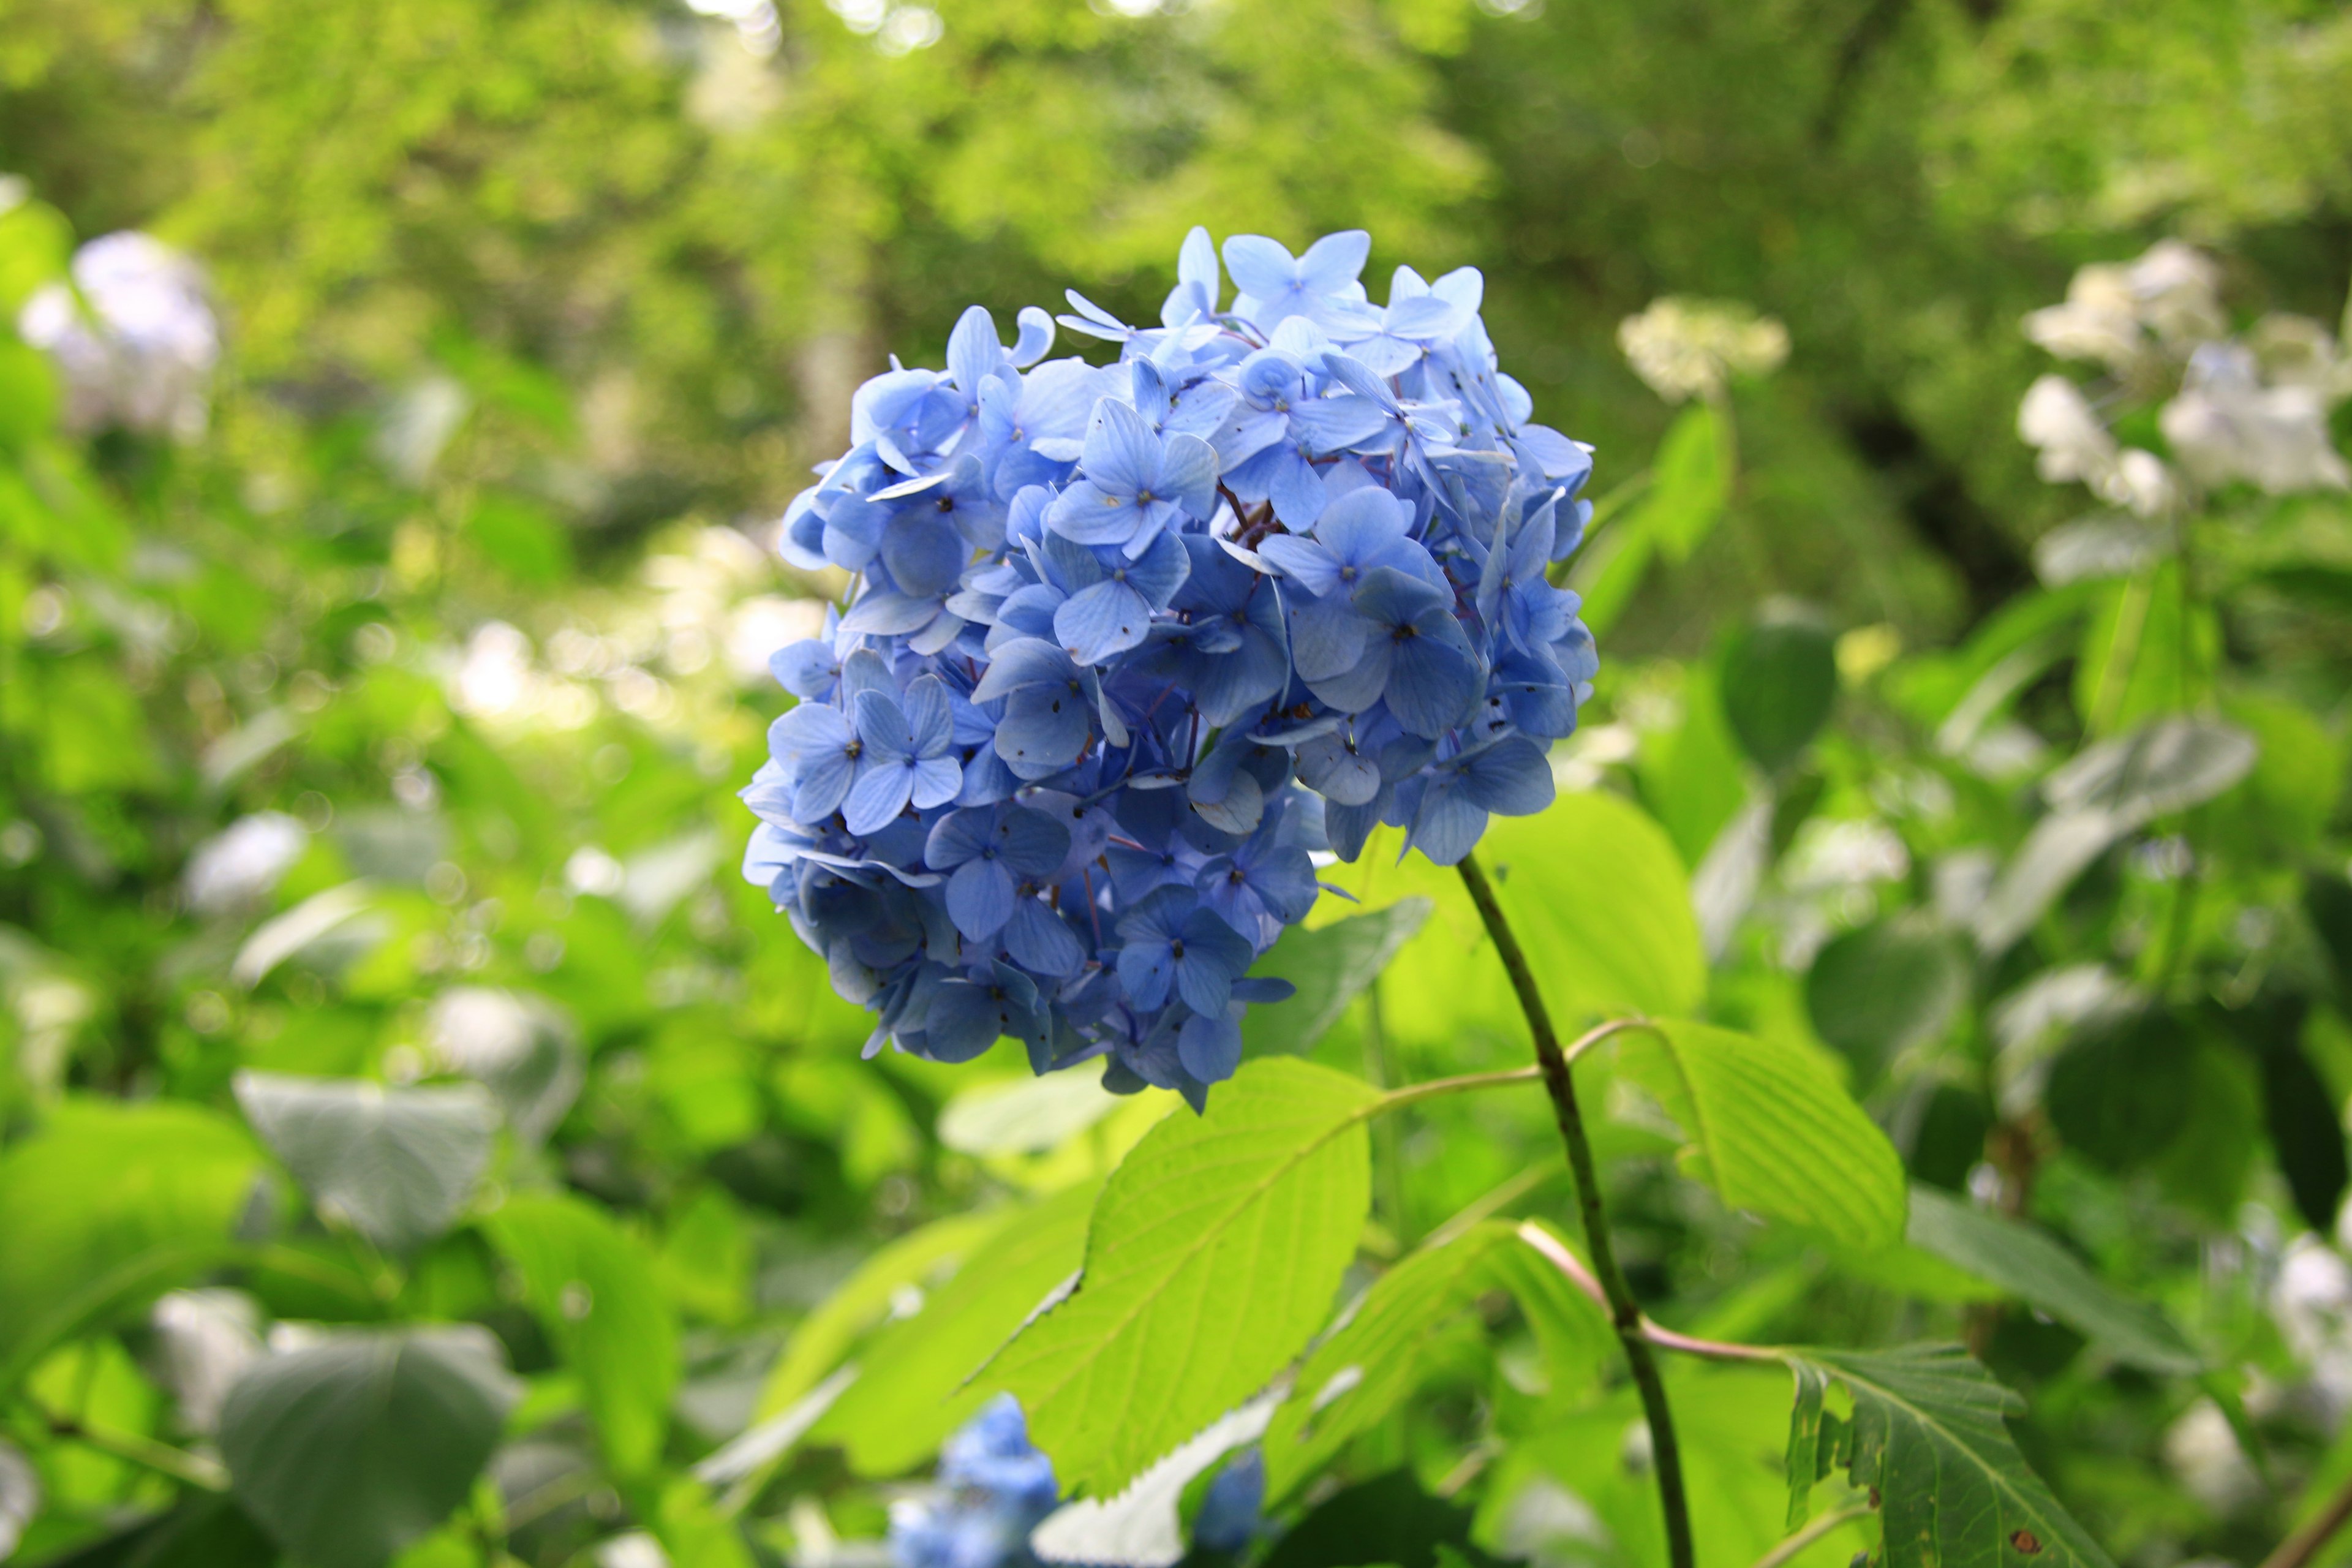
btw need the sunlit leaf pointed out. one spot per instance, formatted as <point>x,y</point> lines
<point>1769,1129</point>
<point>594,1290</point>
<point>1241,1218</point>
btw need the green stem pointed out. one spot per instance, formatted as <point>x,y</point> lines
<point>1625,1313</point>
<point>190,1469</point>
<point>1812,1532</point>
<point>2123,652</point>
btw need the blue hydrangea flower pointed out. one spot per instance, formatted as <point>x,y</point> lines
<point>1129,646</point>
<point>994,1489</point>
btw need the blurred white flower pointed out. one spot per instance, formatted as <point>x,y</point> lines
<point>519,1046</point>
<point>418,425</point>
<point>136,348</point>
<point>2201,1449</point>
<point>2125,316</point>
<point>205,1339</point>
<point>2058,423</point>
<point>1686,347</point>
<point>240,867</point>
<point>2228,423</point>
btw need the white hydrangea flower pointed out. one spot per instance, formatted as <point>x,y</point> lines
<point>1684,347</point>
<point>2229,424</point>
<point>241,865</point>
<point>137,347</point>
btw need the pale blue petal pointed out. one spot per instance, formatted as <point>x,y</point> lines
<point>878,795</point>
<point>1041,941</point>
<point>980,898</point>
<point>1209,1047</point>
<point>1105,619</point>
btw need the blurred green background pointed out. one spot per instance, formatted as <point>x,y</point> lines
<point>387,692</point>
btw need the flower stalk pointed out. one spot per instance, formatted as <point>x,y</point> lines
<point>1624,1312</point>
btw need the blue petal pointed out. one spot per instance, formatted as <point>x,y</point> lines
<point>878,795</point>
<point>1041,941</point>
<point>1147,970</point>
<point>1121,453</point>
<point>1334,261</point>
<point>957,837</point>
<point>963,1022</point>
<point>1044,731</point>
<point>1430,687</point>
<point>1209,1047</point>
<point>1187,475</point>
<point>1259,265</point>
<point>1295,488</point>
<point>980,898</point>
<point>1510,777</point>
<point>1108,618</point>
<point>882,727</point>
<point>1448,825</point>
<point>1023,663</point>
<point>1031,842</point>
<point>973,349</point>
<point>822,784</point>
<point>936,781</point>
<point>1328,637</point>
<point>930,721</point>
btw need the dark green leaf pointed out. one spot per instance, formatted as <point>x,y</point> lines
<point>395,1164</point>
<point>2120,1091</point>
<point>2021,1260</point>
<point>593,1288</point>
<point>1805,1441</point>
<point>1930,1442</point>
<point>1331,966</point>
<point>2307,1129</point>
<point>2327,903</point>
<point>1780,680</point>
<point>1386,1520</point>
<point>348,1450</point>
<point>1243,1218</point>
<point>1876,991</point>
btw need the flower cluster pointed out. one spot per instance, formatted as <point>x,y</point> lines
<point>136,349</point>
<point>2253,408</point>
<point>994,1489</point>
<point>1131,644</point>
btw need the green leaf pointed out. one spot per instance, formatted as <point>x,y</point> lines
<point>1357,1375</point>
<point>912,1385</point>
<point>1805,1441</point>
<point>1693,483</point>
<point>1598,900</point>
<point>2021,1260</point>
<point>1212,1259</point>
<point>2307,1129</point>
<point>593,1287</point>
<point>107,1206</point>
<point>1770,1129</point>
<point>395,1164</point>
<point>2114,788</point>
<point>863,1301</point>
<point>1331,965</point>
<point>1386,1520</point>
<point>1780,681</point>
<point>1876,991</point>
<point>348,1450</point>
<point>1929,1441</point>
<point>2120,1091</point>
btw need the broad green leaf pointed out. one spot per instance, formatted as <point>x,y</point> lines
<point>1693,481</point>
<point>1361,1373</point>
<point>2120,1091</point>
<point>821,1340</point>
<point>1779,683</point>
<point>2114,788</point>
<point>1929,1442</point>
<point>593,1287</point>
<point>1875,992</point>
<point>1691,776</point>
<point>1386,1520</point>
<point>2307,1129</point>
<point>914,1383</point>
<point>1769,1129</point>
<point>107,1206</point>
<point>2029,1265</point>
<point>1212,1259</point>
<point>348,1450</point>
<point>1805,1463</point>
<point>1598,899</point>
<point>395,1164</point>
<point>1331,965</point>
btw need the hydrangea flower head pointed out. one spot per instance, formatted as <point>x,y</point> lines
<point>1131,646</point>
<point>994,1489</point>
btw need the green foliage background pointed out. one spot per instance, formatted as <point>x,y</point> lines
<point>507,680</point>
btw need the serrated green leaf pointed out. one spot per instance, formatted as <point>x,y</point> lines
<point>1770,1129</point>
<point>1212,1259</point>
<point>396,1165</point>
<point>1954,1492</point>
<point>1805,1441</point>
<point>107,1205</point>
<point>862,1301</point>
<point>914,1387</point>
<point>348,1450</point>
<point>1362,1371</point>
<point>1331,966</point>
<point>2026,1263</point>
<point>593,1287</point>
